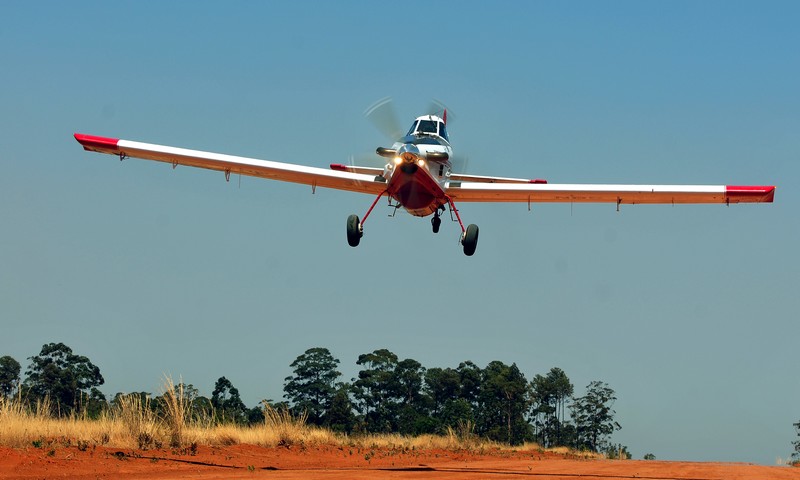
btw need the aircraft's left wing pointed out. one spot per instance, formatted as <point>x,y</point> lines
<point>535,191</point>
<point>287,172</point>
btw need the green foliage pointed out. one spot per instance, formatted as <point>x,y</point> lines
<point>389,396</point>
<point>594,417</point>
<point>549,396</point>
<point>227,404</point>
<point>312,387</point>
<point>255,415</point>
<point>649,456</point>
<point>340,416</point>
<point>503,401</point>
<point>67,379</point>
<point>375,391</point>
<point>442,386</point>
<point>94,402</point>
<point>9,375</point>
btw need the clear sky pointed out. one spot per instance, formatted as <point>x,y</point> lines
<point>688,312</point>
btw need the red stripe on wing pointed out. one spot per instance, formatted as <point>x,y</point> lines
<point>748,193</point>
<point>97,144</point>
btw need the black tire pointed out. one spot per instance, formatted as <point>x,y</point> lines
<point>353,230</point>
<point>436,222</point>
<point>470,240</point>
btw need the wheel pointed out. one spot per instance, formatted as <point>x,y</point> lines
<point>436,222</point>
<point>470,241</point>
<point>354,231</point>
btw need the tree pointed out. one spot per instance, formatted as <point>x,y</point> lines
<point>503,402</point>
<point>227,405</point>
<point>471,377</point>
<point>413,419</point>
<point>375,390</point>
<point>594,417</point>
<point>453,394</point>
<point>549,397</point>
<point>313,385</point>
<point>9,375</point>
<point>66,378</point>
<point>442,386</point>
<point>796,444</point>
<point>339,417</point>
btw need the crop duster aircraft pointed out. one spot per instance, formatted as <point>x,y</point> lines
<point>419,177</point>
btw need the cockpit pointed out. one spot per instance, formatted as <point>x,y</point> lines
<point>428,126</point>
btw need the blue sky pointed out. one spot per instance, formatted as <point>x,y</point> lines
<point>688,312</point>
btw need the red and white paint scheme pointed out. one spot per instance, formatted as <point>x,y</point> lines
<point>418,177</point>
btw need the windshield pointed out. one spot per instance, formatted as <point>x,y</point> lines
<point>427,126</point>
<point>443,131</point>
<point>431,127</point>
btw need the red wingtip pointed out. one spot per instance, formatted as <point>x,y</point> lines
<point>338,167</point>
<point>747,193</point>
<point>95,143</point>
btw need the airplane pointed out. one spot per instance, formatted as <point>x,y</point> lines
<point>418,176</point>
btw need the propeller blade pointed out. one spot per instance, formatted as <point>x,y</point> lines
<point>460,163</point>
<point>438,108</point>
<point>384,117</point>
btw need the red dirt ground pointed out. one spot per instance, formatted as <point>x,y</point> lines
<point>333,462</point>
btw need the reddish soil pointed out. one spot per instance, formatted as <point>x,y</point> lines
<point>247,461</point>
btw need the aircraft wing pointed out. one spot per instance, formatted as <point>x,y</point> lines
<point>535,191</point>
<point>287,172</point>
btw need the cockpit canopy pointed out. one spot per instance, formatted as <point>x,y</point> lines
<point>429,125</point>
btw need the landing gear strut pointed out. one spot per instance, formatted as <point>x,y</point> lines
<point>469,235</point>
<point>355,228</point>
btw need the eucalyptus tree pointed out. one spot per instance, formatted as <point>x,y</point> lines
<point>594,417</point>
<point>9,375</point>
<point>549,396</point>
<point>312,386</point>
<point>65,378</point>
<point>503,402</point>
<point>226,402</point>
<point>375,390</point>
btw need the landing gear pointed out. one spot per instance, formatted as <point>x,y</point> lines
<point>469,236</point>
<point>436,222</point>
<point>470,240</point>
<point>354,230</point>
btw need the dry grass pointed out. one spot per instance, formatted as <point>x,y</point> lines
<point>21,427</point>
<point>133,424</point>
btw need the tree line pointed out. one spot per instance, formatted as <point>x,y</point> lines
<point>389,395</point>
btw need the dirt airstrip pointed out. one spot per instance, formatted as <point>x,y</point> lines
<point>336,462</point>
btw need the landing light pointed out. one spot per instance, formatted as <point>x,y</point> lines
<point>421,162</point>
<point>397,160</point>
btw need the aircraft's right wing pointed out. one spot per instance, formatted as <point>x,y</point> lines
<point>316,177</point>
<point>535,191</point>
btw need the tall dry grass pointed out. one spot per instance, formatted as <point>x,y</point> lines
<point>132,423</point>
<point>22,426</point>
